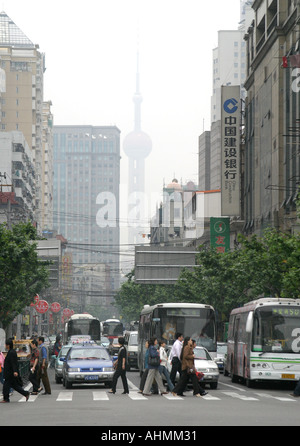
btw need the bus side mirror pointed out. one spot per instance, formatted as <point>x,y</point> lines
<point>249,323</point>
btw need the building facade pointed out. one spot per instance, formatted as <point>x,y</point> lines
<point>17,179</point>
<point>272,156</point>
<point>86,197</point>
<point>22,78</point>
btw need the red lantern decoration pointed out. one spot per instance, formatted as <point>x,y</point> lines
<point>55,307</point>
<point>67,312</point>
<point>42,307</point>
<point>36,300</point>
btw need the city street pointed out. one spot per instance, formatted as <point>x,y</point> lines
<point>90,405</point>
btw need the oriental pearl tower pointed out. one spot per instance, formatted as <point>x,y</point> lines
<point>137,145</point>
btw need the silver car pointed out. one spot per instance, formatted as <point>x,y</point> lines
<point>59,362</point>
<point>203,363</point>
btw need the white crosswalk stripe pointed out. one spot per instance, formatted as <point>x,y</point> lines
<point>100,396</point>
<point>279,398</point>
<point>134,395</point>
<point>241,397</point>
<point>65,396</point>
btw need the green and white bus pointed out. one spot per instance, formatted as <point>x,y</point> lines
<point>264,341</point>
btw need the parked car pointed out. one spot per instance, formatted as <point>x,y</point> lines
<point>205,364</point>
<point>131,342</point>
<point>87,363</point>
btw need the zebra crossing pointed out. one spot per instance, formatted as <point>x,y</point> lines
<point>134,395</point>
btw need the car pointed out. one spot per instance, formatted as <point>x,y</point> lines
<point>203,363</point>
<point>131,342</point>
<point>221,355</point>
<point>87,363</point>
<point>59,361</point>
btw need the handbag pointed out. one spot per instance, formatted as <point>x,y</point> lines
<point>154,361</point>
<point>199,375</point>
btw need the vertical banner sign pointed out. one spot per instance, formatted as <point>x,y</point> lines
<point>230,145</point>
<point>220,234</point>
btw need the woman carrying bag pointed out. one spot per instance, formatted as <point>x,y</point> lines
<point>153,367</point>
<point>188,371</point>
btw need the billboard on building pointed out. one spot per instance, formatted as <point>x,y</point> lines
<point>230,148</point>
<point>220,234</point>
<point>162,264</point>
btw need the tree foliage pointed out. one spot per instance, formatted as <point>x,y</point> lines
<point>22,274</point>
<point>259,266</point>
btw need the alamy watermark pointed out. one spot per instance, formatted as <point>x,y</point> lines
<point>185,210</point>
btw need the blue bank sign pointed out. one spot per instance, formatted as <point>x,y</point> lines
<point>230,143</point>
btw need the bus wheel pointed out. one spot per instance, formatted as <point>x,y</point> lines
<point>249,383</point>
<point>234,378</point>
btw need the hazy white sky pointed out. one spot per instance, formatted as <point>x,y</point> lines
<point>91,48</point>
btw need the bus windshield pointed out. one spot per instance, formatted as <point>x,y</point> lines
<point>84,327</point>
<point>112,329</point>
<point>276,329</point>
<point>198,323</point>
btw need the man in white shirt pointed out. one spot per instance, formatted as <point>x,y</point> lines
<point>175,357</point>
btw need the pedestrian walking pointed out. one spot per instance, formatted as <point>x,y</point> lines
<point>34,366</point>
<point>120,368</point>
<point>163,364</point>
<point>153,366</point>
<point>43,366</point>
<point>188,371</point>
<point>11,374</point>
<point>175,357</point>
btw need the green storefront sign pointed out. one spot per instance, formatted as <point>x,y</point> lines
<point>220,234</point>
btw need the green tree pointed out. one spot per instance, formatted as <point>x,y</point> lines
<point>132,297</point>
<point>22,274</point>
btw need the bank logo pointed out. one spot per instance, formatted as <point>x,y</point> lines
<point>220,227</point>
<point>231,105</point>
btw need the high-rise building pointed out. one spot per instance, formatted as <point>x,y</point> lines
<point>229,59</point>
<point>86,199</point>
<point>229,68</point>
<point>22,68</point>
<point>272,140</point>
<point>137,146</point>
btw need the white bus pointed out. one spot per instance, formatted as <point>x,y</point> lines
<point>112,328</point>
<point>82,325</point>
<point>264,341</point>
<point>165,320</point>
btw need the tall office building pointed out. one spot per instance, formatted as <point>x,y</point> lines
<point>229,68</point>
<point>272,140</point>
<point>22,68</point>
<point>137,145</point>
<point>86,200</point>
<point>229,59</point>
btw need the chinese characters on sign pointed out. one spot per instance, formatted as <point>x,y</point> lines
<point>220,234</point>
<point>230,145</point>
